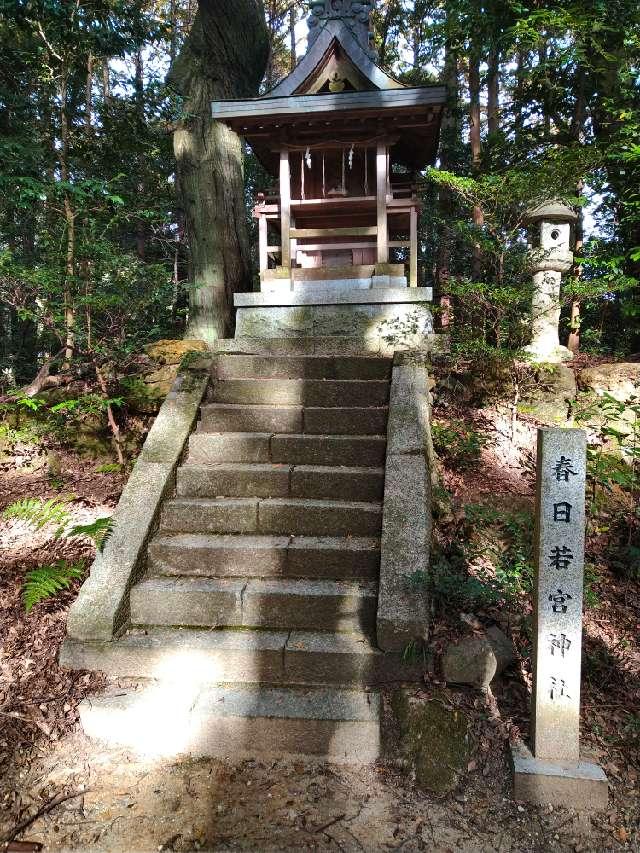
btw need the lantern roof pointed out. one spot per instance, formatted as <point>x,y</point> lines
<point>551,211</point>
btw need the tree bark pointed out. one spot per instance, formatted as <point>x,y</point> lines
<point>518,99</point>
<point>493,91</point>
<point>449,138</point>
<point>70,220</point>
<point>106,83</point>
<point>224,56</point>
<point>292,37</point>
<point>475,143</point>
<point>576,132</point>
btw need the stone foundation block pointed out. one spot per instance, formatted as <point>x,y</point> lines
<point>582,786</point>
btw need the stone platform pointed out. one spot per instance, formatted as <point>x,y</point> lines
<point>399,315</point>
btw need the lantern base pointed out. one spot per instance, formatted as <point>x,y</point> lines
<point>548,355</point>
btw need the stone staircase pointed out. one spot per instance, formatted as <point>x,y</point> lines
<point>263,573</point>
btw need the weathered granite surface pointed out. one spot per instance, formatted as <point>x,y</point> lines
<point>102,606</point>
<point>168,354</point>
<point>407,524</point>
<point>477,660</point>
<point>619,379</point>
<point>581,785</point>
<point>378,325</point>
<point>559,581</point>
<point>355,296</point>
<point>550,399</point>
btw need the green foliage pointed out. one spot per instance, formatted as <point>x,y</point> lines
<point>39,513</point>
<point>457,443</point>
<point>413,652</point>
<point>138,396</point>
<point>613,472</point>
<point>47,581</point>
<point>488,561</point>
<point>109,468</point>
<point>89,404</point>
<point>98,531</point>
<point>452,586</point>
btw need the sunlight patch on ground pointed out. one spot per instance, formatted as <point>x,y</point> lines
<point>158,722</point>
<point>20,536</point>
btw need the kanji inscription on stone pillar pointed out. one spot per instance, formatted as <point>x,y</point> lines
<point>559,554</point>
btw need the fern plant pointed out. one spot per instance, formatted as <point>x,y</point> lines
<point>99,531</point>
<point>46,581</point>
<point>39,513</point>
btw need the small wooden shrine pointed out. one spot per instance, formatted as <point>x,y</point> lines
<point>345,141</point>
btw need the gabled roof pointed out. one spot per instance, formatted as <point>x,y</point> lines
<point>332,32</point>
<point>307,106</point>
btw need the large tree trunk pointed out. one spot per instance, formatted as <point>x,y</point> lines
<point>449,140</point>
<point>224,56</point>
<point>475,142</point>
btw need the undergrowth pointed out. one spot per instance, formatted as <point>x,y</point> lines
<point>48,580</point>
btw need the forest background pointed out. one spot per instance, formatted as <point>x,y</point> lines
<point>98,251</point>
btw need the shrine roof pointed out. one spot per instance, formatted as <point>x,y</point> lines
<point>254,110</point>
<point>337,92</point>
<point>334,32</point>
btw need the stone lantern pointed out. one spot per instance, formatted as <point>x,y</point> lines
<point>550,255</point>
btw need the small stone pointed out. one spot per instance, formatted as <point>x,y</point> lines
<point>477,660</point>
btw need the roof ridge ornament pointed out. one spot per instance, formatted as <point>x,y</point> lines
<point>355,14</point>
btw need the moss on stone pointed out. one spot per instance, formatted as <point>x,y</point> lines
<point>434,738</point>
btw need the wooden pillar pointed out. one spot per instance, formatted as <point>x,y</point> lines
<point>262,242</point>
<point>285,208</point>
<point>381,197</point>
<point>294,247</point>
<point>413,247</point>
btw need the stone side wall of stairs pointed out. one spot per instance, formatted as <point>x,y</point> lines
<point>264,570</point>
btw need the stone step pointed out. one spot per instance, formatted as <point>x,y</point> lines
<point>371,420</point>
<point>302,392</point>
<point>334,345</point>
<point>239,721</point>
<point>266,556</point>
<point>306,517</point>
<point>327,345</point>
<point>287,516</point>
<point>241,479</point>
<point>367,451</point>
<point>314,605</point>
<point>234,417</point>
<point>245,656</point>
<point>231,366</point>
<point>209,448</point>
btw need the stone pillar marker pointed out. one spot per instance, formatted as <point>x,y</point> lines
<point>553,771</point>
<point>559,554</point>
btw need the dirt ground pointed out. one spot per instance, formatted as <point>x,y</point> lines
<point>128,804</point>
